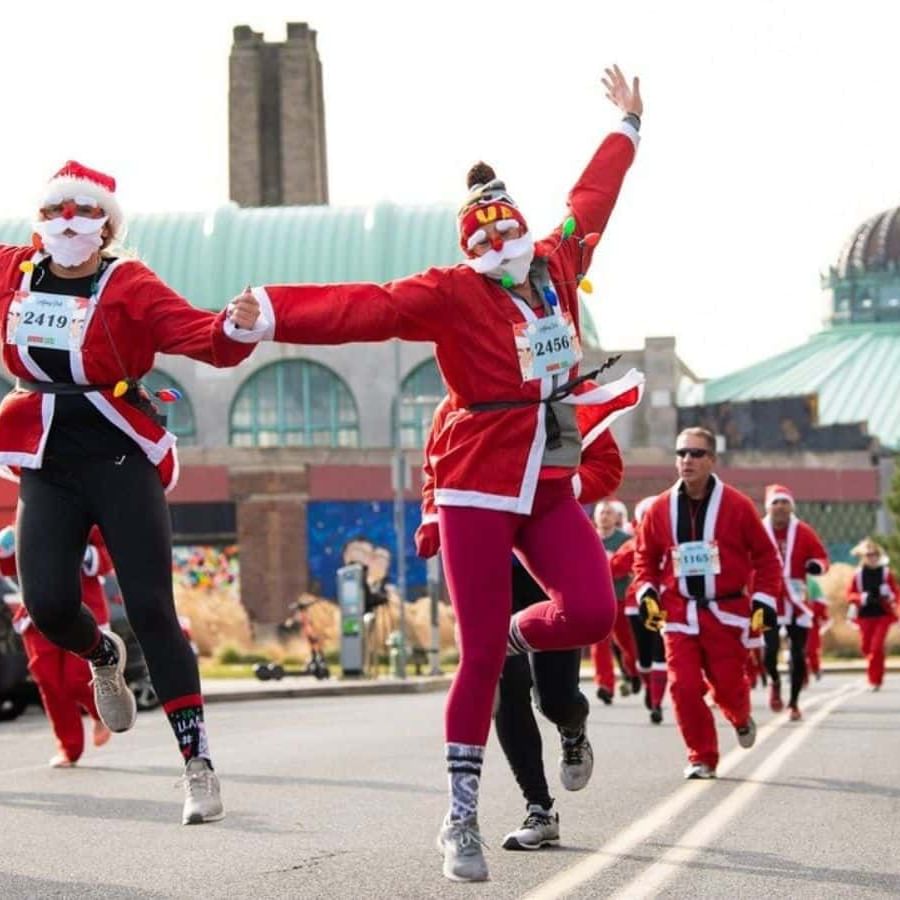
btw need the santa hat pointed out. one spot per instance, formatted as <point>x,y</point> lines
<point>778,492</point>
<point>487,203</point>
<point>74,180</point>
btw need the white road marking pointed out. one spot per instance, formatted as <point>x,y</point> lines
<point>648,883</point>
<point>639,831</point>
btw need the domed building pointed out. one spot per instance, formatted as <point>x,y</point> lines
<point>852,367</point>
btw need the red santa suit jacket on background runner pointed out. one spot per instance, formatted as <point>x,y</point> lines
<point>492,459</point>
<point>745,553</point>
<point>599,473</point>
<point>797,545</point>
<point>96,564</point>
<point>143,317</point>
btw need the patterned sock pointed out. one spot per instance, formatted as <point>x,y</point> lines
<point>104,653</point>
<point>515,643</point>
<point>464,768</point>
<point>185,715</point>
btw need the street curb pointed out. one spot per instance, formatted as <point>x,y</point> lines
<point>414,685</point>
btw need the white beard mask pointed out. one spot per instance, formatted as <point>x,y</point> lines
<point>70,250</point>
<point>514,259</point>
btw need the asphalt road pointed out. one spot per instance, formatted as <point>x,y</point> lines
<point>341,798</point>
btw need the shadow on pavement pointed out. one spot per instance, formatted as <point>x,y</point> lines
<point>25,886</point>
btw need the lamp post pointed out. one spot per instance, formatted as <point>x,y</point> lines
<point>399,479</point>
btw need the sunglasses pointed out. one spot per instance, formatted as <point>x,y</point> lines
<point>692,452</point>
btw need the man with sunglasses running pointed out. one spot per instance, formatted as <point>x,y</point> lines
<point>700,545</point>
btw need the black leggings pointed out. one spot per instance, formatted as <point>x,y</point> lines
<point>58,504</point>
<point>554,675</point>
<point>650,646</point>
<point>797,637</point>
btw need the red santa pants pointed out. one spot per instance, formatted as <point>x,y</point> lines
<point>718,656</point>
<point>64,681</point>
<point>602,652</point>
<point>560,548</point>
<point>874,634</point>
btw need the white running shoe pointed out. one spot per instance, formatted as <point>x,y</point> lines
<point>461,845</point>
<point>115,702</point>
<point>202,794</point>
<point>576,764</point>
<point>699,772</point>
<point>61,761</point>
<point>540,829</point>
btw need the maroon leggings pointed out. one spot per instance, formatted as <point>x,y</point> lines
<point>560,548</point>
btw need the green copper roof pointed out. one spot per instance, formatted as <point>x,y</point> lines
<point>209,257</point>
<point>854,369</point>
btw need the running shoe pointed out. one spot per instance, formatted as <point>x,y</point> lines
<point>576,762</point>
<point>461,845</point>
<point>746,734</point>
<point>699,772</point>
<point>656,715</point>
<point>61,761</point>
<point>101,734</point>
<point>540,829</point>
<point>115,701</point>
<point>202,794</point>
<point>795,714</point>
<point>636,684</point>
<point>625,687</point>
<point>775,702</point>
<point>605,696</point>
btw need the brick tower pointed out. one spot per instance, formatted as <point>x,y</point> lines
<point>276,120</point>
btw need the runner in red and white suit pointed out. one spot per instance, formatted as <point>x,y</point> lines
<point>621,640</point>
<point>699,546</point>
<point>550,677</point>
<point>651,651</point>
<point>505,325</point>
<point>802,553</point>
<point>872,597</point>
<point>64,679</point>
<point>80,325</point>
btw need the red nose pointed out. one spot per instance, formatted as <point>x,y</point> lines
<point>497,243</point>
<point>68,211</point>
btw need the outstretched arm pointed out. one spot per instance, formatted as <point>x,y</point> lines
<point>592,199</point>
<point>413,309</point>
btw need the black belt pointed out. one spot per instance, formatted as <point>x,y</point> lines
<point>60,387</point>
<point>554,432</point>
<point>703,602</point>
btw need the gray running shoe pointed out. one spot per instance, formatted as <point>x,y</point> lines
<point>746,734</point>
<point>461,845</point>
<point>576,762</point>
<point>540,829</point>
<point>202,794</point>
<point>114,699</point>
<point>699,771</point>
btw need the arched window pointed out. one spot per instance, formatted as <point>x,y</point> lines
<point>294,403</point>
<point>180,414</point>
<point>420,393</point>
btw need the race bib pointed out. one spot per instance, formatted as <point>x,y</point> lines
<point>797,589</point>
<point>52,321</point>
<point>696,558</point>
<point>547,346</point>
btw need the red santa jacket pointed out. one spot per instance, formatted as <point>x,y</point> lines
<point>482,459</point>
<point>797,546</point>
<point>599,473</point>
<point>621,564</point>
<point>887,590</point>
<point>142,317</point>
<point>96,564</point>
<point>744,551</point>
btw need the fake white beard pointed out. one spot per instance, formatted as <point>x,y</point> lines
<point>514,259</point>
<point>70,250</point>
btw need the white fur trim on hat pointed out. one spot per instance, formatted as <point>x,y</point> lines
<point>68,188</point>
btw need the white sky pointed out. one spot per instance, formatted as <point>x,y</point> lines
<point>770,131</point>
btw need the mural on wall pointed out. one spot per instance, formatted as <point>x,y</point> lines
<point>331,524</point>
